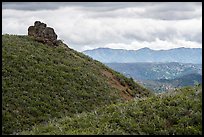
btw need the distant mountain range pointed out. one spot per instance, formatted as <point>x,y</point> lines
<point>183,55</point>
<point>156,71</point>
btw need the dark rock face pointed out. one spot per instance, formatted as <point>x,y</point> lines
<point>43,34</point>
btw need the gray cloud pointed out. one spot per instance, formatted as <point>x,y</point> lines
<point>175,11</point>
<point>33,6</point>
<point>158,10</point>
<point>102,6</point>
<point>27,6</point>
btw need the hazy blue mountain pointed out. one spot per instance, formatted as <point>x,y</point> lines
<point>156,71</point>
<point>183,55</point>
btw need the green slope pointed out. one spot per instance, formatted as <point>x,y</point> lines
<point>175,113</point>
<point>40,83</point>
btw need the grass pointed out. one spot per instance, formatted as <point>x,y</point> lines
<point>40,83</point>
<point>178,112</point>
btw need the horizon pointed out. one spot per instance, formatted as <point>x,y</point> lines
<point>119,25</point>
<point>140,48</point>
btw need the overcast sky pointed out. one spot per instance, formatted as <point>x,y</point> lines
<point>121,25</point>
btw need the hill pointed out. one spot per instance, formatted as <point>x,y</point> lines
<point>160,77</point>
<point>163,85</point>
<point>186,80</point>
<point>42,82</point>
<point>177,112</point>
<point>156,71</point>
<point>183,55</point>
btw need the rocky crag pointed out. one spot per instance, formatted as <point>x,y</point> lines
<point>40,32</point>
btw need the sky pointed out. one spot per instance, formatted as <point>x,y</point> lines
<point>118,25</point>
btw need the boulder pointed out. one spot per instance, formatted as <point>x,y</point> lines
<point>40,32</point>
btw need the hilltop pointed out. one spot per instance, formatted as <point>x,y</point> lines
<point>41,82</point>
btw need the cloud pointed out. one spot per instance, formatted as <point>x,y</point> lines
<point>89,25</point>
<point>94,6</point>
<point>156,45</point>
<point>33,6</point>
<point>157,10</point>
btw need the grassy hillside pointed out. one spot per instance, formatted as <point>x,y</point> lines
<point>175,113</point>
<point>40,83</point>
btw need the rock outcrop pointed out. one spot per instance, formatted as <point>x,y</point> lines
<point>43,34</point>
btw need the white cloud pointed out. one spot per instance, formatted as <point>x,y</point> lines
<point>156,45</point>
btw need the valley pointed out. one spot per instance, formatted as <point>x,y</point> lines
<point>161,77</point>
